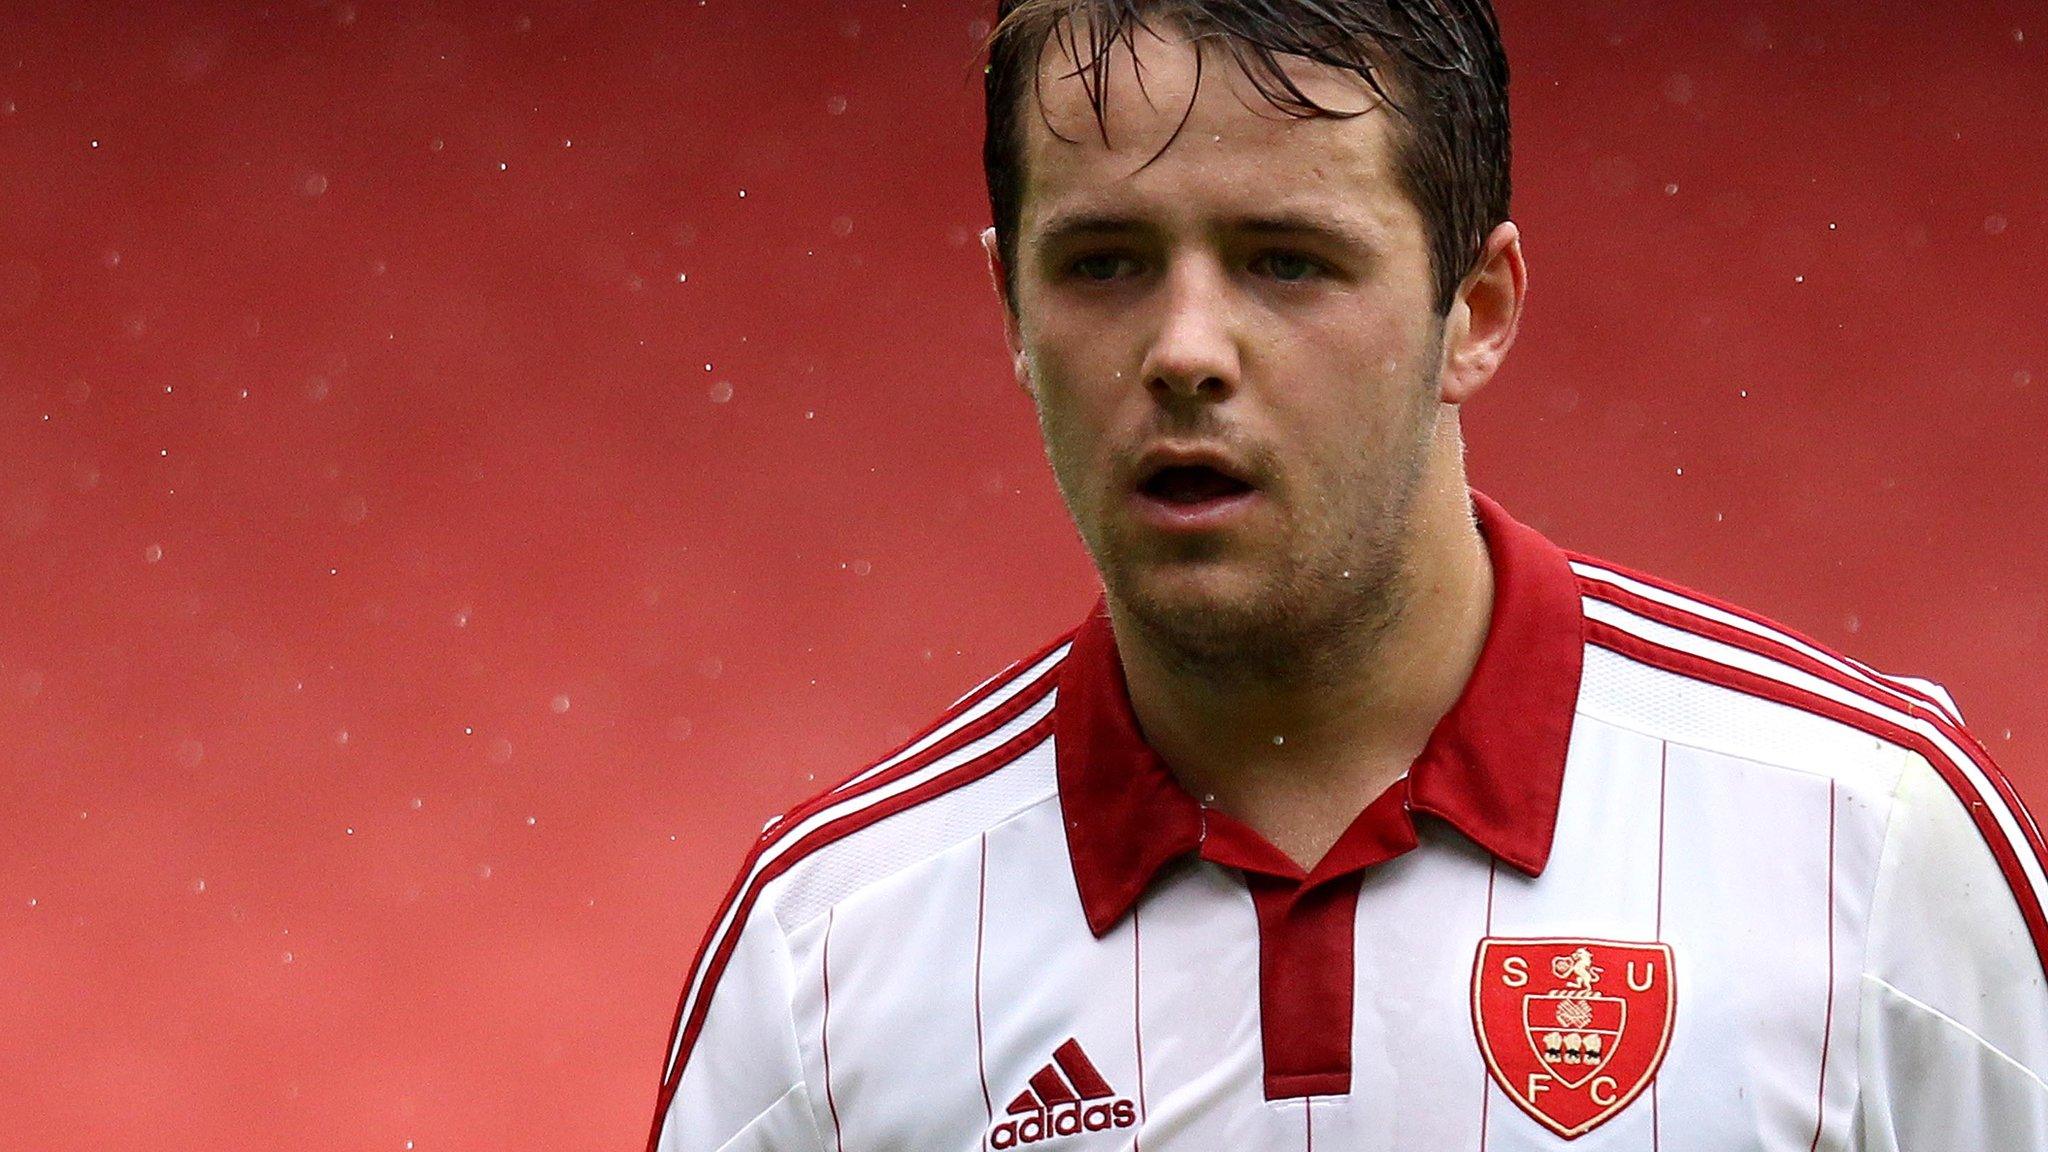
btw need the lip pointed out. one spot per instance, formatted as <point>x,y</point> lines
<point>1201,516</point>
<point>1190,456</point>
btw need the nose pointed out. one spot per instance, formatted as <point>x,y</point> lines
<point>1194,354</point>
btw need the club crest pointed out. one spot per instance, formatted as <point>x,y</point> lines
<point>1572,1030</point>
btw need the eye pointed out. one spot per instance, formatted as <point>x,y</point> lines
<point>1289,267</point>
<point>1097,267</point>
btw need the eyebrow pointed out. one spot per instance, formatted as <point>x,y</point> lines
<point>1067,227</point>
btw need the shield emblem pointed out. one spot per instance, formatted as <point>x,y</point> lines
<point>1572,1029</point>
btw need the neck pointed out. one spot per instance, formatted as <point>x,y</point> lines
<point>1297,757</point>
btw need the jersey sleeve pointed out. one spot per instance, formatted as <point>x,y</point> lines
<point>738,1082</point>
<point>1953,1028</point>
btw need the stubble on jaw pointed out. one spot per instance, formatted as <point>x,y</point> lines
<point>1315,618</point>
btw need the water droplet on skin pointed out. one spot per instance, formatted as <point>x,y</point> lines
<point>1209,798</point>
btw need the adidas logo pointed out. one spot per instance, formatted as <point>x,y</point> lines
<point>1066,1096</point>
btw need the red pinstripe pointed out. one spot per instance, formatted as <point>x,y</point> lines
<point>742,894</point>
<point>1699,668</point>
<point>1827,1030</point>
<point>825,1036</point>
<point>980,919</point>
<point>1663,779</point>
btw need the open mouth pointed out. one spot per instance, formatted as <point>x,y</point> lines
<point>1190,484</point>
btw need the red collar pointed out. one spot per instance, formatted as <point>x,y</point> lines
<point>1492,769</point>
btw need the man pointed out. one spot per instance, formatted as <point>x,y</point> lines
<point>1358,815</point>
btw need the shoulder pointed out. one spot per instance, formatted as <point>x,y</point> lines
<point>1704,671</point>
<point>983,759</point>
<point>1695,669</point>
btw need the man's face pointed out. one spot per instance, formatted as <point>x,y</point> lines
<point>1235,367</point>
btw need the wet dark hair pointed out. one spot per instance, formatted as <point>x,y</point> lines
<point>1437,63</point>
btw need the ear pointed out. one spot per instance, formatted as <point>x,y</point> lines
<point>1012,334</point>
<point>1485,316</point>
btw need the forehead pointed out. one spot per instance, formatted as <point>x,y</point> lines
<point>1184,126</point>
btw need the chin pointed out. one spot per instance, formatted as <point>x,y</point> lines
<point>1212,612</point>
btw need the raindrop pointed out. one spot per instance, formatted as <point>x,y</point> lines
<point>1680,471</point>
<point>199,885</point>
<point>2022,378</point>
<point>350,831</point>
<point>500,751</point>
<point>2007,734</point>
<point>484,871</point>
<point>316,388</point>
<point>1279,740</point>
<point>1717,517</point>
<point>417,803</point>
<point>436,144</point>
<point>1209,798</point>
<point>78,391</point>
<point>341,736</point>
<point>153,553</point>
<point>190,753</point>
<point>1799,279</point>
<point>355,509</point>
<point>836,105</point>
<point>862,567</point>
<point>288,957</point>
<point>560,704</point>
<point>721,392</point>
<point>529,821</point>
<point>842,226</point>
<point>32,901</point>
<point>1853,623</point>
<point>682,277</point>
<point>1671,189</point>
<point>501,165</point>
<point>313,185</point>
<point>461,618</point>
<point>743,193</point>
<point>110,258</point>
<point>1994,224</point>
<point>679,728</point>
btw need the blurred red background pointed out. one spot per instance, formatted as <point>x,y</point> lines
<point>463,466</point>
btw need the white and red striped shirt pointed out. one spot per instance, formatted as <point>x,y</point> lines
<point>1667,876</point>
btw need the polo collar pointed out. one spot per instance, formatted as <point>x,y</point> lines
<point>1493,767</point>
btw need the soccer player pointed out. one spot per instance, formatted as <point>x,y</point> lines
<point>1357,814</point>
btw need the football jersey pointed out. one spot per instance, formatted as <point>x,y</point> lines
<point>1666,876</point>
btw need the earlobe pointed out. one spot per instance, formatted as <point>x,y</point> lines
<point>1485,317</point>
